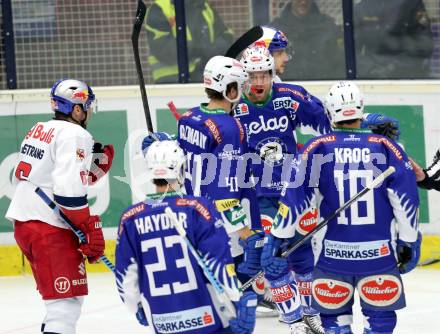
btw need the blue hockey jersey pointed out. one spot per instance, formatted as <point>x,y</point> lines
<point>214,143</point>
<point>270,128</point>
<point>333,168</point>
<point>155,267</point>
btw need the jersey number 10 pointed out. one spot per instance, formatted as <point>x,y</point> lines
<point>368,199</point>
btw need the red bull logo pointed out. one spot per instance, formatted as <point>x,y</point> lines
<point>82,95</point>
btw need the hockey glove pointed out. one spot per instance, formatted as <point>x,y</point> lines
<point>382,125</point>
<point>408,254</point>
<point>151,138</point>
<point>94,248</point>
<point>101,161</point>
<point>431,179</point>
<point>273,266</point>
<point>141,317</point>
<point>253,246</point>
<point>246,307</point>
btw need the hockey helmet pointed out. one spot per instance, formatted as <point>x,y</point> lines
<point>166,160</point>
<point>66,93</point>
<point>257,58</point>
<point>273,39</point>
<point>221,71</point>
<point>344,102</point>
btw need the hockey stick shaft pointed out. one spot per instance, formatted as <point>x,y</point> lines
<point>248,38</point>
<point>137,26</point>
<point>173,109</point>
<point>75,230</point>
<point>377,181</point>
<point>221,293</point>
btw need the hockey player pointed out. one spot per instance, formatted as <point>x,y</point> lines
<point>277,43</point>
<point>155,268</point>
<point>56,156</point>
<point>270,113</point>
<point>358,249</point>
<point>209,131</point>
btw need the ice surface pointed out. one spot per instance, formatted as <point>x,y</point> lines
<point>21,309</point>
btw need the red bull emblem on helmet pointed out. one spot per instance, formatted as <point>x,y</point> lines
<point>83,95</point>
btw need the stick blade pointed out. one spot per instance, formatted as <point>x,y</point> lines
<point>248,38</point>
<point>137,25</point>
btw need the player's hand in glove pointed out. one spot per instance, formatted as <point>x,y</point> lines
<point>101,161</point>
<point>408,254</point>
<point>382,125</point>
<point>140,316</point>
<point>152,137</point>
<point>94,248</point>
<point>252,246</point>
<point>273,265</point>
<point>246,307</point>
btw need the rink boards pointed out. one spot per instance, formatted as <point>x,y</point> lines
<point>121,121</point>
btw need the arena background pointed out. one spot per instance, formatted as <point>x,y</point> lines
<point>90,40</point>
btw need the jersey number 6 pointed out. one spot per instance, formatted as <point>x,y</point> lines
<point>23,170</point>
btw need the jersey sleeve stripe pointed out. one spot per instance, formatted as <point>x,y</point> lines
<point>71,202</point>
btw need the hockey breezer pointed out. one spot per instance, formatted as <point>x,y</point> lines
<point>137,26</point>
<point>75,230</point>
<point>377,181</point>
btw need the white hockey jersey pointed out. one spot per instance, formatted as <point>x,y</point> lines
<point>54,156</point>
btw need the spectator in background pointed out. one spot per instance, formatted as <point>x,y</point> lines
<point>393,39</point>
<point>206,36</point>
<point>315,42</point>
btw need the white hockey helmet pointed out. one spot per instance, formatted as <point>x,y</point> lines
<point>221,71</point>
<point>166,160</point>
<point>257,58</point>
<point>344,101</point>
<point>66,93</point>
<point>273,39</point>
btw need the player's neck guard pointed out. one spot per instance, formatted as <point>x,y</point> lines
<point>352,130</point>
<point>164,194</point>
<point>217,111</point>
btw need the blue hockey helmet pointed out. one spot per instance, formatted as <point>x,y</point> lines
<point>273,39</point>
<point>66,93</point>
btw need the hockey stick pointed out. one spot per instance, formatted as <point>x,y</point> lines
<point>173,110</point>
<point>221,293</point>
<point>137,26</point>
<point>249,37</point>
<point>140,312</point>
<point>75,230</point>
<point>308,236</point>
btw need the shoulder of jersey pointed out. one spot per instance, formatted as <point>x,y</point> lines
<point>199,204</point>
<point>388,143</point>
<point>314,143</point>
<point>193,113</point>
<point>132,211</point>
<point>70,129</point>
<point>296,91</point>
